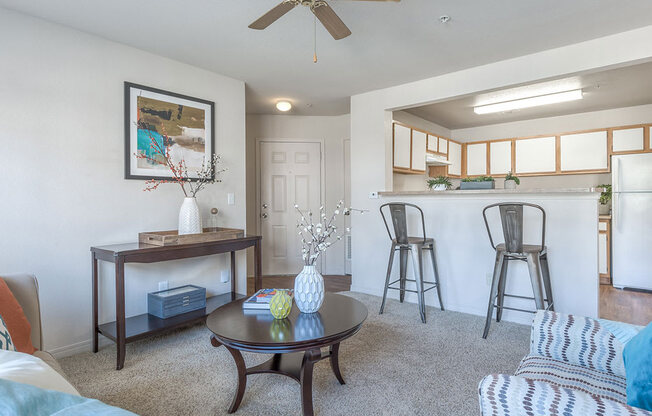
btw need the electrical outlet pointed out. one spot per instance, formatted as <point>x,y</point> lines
<point>230,197</point>
<point>224,277</point>
<point>163,285</point>
<point>373,195</point>
<point>490,277</point>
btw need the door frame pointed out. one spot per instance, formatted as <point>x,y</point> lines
<point>322,178</point>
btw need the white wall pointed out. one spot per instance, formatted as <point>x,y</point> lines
<point>332,131</point>
<point>62,163</point>
<point>371,132</point>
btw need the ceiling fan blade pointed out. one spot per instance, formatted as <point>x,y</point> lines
<point>272,15</point>
<point>331,21</point>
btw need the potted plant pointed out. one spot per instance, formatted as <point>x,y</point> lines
<point>605,198</point>
<point>511,181</point>
<point>478,182</point>
<point>440,183</point>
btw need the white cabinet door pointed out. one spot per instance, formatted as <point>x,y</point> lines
<point>603,249</point>
<point>443,145</point>
<point>628,140</point>
<point>402,146</point>
<point>455,157</point>
<point>476,159</point>
<point>419,150</point>
<point>537,155</point>
<point>584,151</point>
<point>432,143</point>
<point>500,155</point>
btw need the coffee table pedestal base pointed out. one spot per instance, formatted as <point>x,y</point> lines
<point>298,366</point>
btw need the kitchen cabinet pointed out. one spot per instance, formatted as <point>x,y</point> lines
<point>409,150</point>
<point>476,159</point>
<point>419,140</point>
<point>443,146</point>
<point>433,141</point>
<point>584,152</point>
<point>604,249</point>
<point>402,147</point>
<point>536,155</point>
<point>628,140</point>
<point>500,157</point>
<point>455,158</point>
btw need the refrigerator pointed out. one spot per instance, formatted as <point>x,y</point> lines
<point>631,261</point>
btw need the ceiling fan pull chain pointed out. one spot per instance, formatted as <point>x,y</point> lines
<point>314,57</point>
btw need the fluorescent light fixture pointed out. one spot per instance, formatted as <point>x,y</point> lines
<point>284,106</point>
<point>558,97</point>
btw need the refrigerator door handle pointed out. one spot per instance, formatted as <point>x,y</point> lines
<point>616,170</point>
<point>616,212</point>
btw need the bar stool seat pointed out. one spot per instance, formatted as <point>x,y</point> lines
<point>407,246</point>
<point>415,240</point>
<point>527,248</point>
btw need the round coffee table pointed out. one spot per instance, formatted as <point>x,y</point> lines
<point>296,341</point>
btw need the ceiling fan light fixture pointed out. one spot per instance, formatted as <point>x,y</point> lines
<point>283,106</point>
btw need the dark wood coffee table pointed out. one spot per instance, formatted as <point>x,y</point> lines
<point>296,341</point>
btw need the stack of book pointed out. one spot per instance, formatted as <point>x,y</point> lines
<point>260,300</point>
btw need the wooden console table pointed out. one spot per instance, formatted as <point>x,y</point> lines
<point>124,330</point>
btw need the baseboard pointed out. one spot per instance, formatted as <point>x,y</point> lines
<point>77,348</point>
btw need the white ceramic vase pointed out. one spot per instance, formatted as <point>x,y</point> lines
<point>309,290</point>
<point>189,218</point>
<point>510,184</point>
<point>439,187</point>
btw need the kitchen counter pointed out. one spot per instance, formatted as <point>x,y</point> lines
<point>465,258</point>
<point>491,192</point>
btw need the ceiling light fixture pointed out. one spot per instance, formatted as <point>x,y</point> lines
<point>559,97</point>
<point>284,106</point>
<point>444,18</point>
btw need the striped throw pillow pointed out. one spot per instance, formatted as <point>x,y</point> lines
<point>5,338</point>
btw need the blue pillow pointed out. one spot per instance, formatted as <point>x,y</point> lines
<point>638,368</point>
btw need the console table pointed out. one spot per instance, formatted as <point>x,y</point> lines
<point>124,330</point>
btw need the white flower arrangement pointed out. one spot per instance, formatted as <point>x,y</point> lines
<point>317,237</point>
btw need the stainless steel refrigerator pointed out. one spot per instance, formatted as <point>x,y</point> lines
<point>632,221</point>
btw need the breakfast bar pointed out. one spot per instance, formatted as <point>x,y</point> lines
<point>465,257</point>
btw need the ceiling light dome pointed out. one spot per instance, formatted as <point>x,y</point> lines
<point>284,106</point>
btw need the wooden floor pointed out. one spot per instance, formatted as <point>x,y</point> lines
<point>332,283</point>
<point>625,305</point>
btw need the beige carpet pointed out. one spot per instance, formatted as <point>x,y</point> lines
<point>395,365</point>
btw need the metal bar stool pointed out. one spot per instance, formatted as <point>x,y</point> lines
<point>511,218</point>
<point>405,245</point>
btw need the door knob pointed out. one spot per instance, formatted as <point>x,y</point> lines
<point>264,206</point>
<point>264,215</point>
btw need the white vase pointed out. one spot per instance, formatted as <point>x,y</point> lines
<point>510,184</point>
<point>189,218</point>
<point>309,290</point>
<point>439,187</point>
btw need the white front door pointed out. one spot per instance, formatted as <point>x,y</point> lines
<point>290,173</point>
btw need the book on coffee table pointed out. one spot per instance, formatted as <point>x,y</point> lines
<point>261,299</point>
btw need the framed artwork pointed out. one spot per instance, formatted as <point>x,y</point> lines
<point>184,124</point>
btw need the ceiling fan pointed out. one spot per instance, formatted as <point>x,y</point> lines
<point>321,10</point>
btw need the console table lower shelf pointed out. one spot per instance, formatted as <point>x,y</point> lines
<point>146,325</point>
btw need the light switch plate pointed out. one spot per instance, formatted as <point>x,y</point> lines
<point>163,285</point>
<point>373,195</point>
<point>230,197</point>
<point>224,277</point>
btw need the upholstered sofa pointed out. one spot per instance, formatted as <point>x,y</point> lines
<point>575,367</point>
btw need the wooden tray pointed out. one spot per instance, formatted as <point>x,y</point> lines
<point>172,237</point>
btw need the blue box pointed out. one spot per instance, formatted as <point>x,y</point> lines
<point>171,302</point>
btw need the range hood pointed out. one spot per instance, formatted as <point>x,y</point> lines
<point>436,160</point>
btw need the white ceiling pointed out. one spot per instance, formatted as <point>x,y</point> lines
<point>392,43</point>
<point>615,88</point>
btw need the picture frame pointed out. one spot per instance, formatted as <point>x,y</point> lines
<point>187,122</point>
